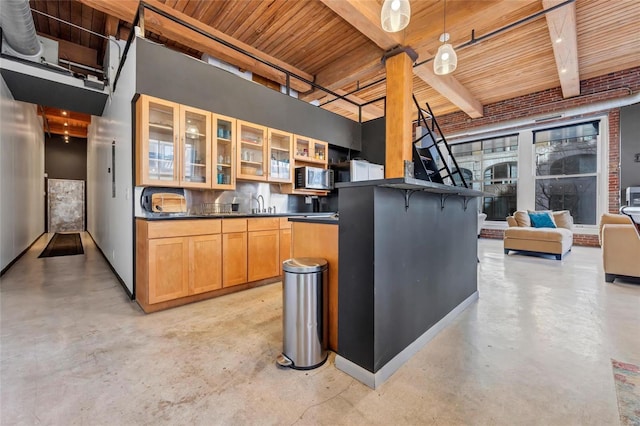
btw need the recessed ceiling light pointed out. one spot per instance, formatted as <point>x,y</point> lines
<point>563,70</point>
<point>66,124</point>
<point>64,112</point>
<point>559,40</point>
<point>66,132</point>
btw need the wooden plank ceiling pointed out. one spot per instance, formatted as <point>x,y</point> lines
<point>339,43</point>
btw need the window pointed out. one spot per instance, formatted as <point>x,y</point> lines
<point>566,163</point>
<point>491,166</point>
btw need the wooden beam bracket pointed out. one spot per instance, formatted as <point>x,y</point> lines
<point>398,50</point>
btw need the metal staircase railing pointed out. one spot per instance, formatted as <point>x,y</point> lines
<point>432,154</point>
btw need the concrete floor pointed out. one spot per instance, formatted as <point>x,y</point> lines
<point>535,349</point>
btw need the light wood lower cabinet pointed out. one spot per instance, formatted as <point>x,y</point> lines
<point>182,261</point>
<point>183,266</point>
<point>168,269</point>
<point>285,241</point>
<point>234,253</point>
<point>321,240</point>
<point>285,246</point>
<point>205,253</point>
<point>264,254</point>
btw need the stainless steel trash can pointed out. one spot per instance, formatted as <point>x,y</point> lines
<point>304,313</point>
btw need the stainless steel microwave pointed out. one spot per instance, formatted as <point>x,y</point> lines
<point>314,178</point>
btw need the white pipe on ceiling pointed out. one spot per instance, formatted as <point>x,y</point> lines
<point>18,29</point>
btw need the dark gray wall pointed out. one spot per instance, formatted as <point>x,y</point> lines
<point>174,76</point>
<point>629,148</point>
<point>373,141</point>
<point>65,160</point>
<point>40,91</point>
<point>401,271</point>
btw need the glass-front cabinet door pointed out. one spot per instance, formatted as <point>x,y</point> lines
<point>320,151</point>
<point>223,152</point>
<point>157,133</point>
<point>279,151</point>
<point>195,142</point>
<point>309,150</point>
<point>251,151</point>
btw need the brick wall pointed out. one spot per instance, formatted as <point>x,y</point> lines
<point>605,87</point>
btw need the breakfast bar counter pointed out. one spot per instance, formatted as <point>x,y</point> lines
<point>408,266</point>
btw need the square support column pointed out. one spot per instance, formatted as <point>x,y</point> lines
<point>399,131</point>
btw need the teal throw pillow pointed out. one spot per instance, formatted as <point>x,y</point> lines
<point>541,220</point>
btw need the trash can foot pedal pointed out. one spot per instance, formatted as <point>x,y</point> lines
<point>283,361</point>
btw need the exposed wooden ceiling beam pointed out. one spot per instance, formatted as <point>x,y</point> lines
<point>111,24</point>
<point>448,86</point>
<point>365,17</point>
<point>369,112</point>
<point>126,10</point>
<point>60,129</point>
<point>74,52</point>
<point>70,116</point>
<point>561,23</point>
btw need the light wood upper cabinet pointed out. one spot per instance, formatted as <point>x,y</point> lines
<point>168,269</point>
<point>195,144</point>
<point>307,152</point>
<point>264,254</point>
<point>182,146</point>
<point>205,263</point>
<point>173,146</point>
<point>157,147</point>
<point>224,152</point>
<point>280,156</point>
<point>312,151</point>
<point>251,151</point>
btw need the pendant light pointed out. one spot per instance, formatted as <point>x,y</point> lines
<point>446,59</point>
<point>395,15</point>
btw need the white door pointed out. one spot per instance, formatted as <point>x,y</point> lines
<point>66,205</point>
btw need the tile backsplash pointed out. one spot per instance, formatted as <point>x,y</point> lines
<point>246,194</point>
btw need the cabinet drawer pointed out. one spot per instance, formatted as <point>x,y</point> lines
<point>234,225</point>
<point>284,223</point>
<point>182,228</point>
<point>264,224</point>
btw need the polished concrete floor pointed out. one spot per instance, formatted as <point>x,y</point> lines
<point>535,349</point>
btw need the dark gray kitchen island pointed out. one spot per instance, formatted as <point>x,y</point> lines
<point>408,266</point>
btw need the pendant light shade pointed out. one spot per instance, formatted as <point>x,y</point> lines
<point>395,15</point>
<point>446,60</point>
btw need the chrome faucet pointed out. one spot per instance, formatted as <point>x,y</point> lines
<point>261,208</point>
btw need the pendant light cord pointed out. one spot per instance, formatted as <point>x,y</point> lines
<point>444,21</point>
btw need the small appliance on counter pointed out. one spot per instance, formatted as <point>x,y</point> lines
<point>633,196</point>
<point>358,170</point>
<point>163,200</point>
<point>314,178</point>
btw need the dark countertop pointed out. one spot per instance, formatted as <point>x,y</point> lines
<point>185,216</point>
<point>415,185</point>
<point>327,220</point>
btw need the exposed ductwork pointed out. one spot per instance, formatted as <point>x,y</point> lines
<point>18,29</point>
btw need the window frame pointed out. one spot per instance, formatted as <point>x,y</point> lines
<point>526,156</point>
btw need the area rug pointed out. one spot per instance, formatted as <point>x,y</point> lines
<point>627,379</point>
<point>63,245</point>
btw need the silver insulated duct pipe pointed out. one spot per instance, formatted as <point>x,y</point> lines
<point>18,29</point>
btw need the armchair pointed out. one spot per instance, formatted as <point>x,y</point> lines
<point>620,244</point>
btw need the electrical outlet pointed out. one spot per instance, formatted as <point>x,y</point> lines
<point>307,200</point>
